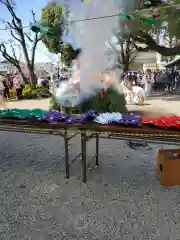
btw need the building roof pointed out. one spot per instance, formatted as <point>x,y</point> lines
<point>173,62</point>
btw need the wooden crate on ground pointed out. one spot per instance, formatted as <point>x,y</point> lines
<point>168,167</point>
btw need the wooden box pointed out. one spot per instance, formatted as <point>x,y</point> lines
<point>168,167</point>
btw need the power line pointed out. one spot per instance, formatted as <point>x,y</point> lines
<point>107,16</point>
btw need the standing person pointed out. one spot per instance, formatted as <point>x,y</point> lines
<point>17,87</point>
<point>127,90</point>
<point>159,81</point>
<point>177,83</point>
<point>147,82</point>
<point>6,89</point>
<point>139,79</point>
<point>138,95</point>
<point>134,94</point>
<point>171,79</point>
<point>2,103</point>
<point>130,76</point>
<point>134,77</point>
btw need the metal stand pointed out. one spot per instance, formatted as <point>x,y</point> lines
<point>97,149</point>
<point>84,152</point>
<point>68,164</point>
<point>66,154</point>
<point>86,167</point>
<point>159,137</point>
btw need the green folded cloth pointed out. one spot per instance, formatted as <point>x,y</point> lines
<point>22,114</point>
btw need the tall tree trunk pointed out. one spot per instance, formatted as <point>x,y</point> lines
<point>170,44</point>
<point>25,80</point>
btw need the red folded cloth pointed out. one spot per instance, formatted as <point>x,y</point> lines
<point>162,121</point>
<point>148,120</point>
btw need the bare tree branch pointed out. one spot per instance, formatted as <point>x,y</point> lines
<point>10,7</point>
<point>13,60</point>
<point>152,45</point>
<point>127,53</point>
<point>132,59</point>
<point>18,34</point>
<point>17,39</point>
<point>13,51</point>
<point>7,56</point>
<point>28,37</point>
<point>10,25</point>
<point>34,15</point>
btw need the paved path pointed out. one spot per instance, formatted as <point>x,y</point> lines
<point>166,105</point>
<point>29,104</point>
<point>162,105</point>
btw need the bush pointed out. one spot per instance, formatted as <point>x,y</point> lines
<point>54,105</point>
<point>43,92</point>
<point>35,92</point>
<point>12,93</point>
<point>112,101</point>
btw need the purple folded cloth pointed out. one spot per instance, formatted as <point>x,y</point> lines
<point>53,116</point>
<point>91,114</point>
<point>130,120</point>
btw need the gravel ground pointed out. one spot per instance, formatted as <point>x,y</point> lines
<point>123,199</point>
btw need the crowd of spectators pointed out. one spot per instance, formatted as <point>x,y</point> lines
<point>162,80</point>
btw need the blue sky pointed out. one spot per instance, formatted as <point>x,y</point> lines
<point>24,8</point>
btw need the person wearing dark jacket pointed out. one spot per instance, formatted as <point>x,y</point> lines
<point>6,89</point>
<point>161,80</point>
<point>171,76</point>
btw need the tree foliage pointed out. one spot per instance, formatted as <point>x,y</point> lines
<point>52,16</point>
<point>20,37</point>
<point>125,52</point>
<point>168,25</point>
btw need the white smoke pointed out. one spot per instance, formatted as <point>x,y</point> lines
<point>94,35</point>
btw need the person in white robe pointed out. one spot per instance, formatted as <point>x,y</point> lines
<point>133,94</point>
<point>147,82</point>
<point>138,95</point>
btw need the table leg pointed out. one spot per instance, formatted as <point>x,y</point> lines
<point>83,151</point>
<point>66,154</point>
<point>97,149</point>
